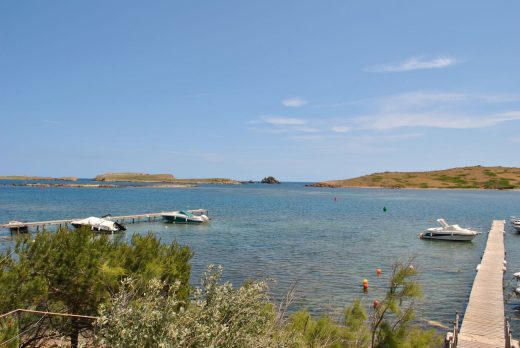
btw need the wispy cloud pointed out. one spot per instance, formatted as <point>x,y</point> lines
<point>307,129</point>
<point>284,121</point>
<point>51,122</point>
<point>294,102</point>
<point>434,110</point>
<point>340,129</point>
<point>415,63</point>
<point>358,139</point>
<point>455,121</point>
<point>386,115</point>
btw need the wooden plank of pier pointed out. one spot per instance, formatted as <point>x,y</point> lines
<point>122,218</point>
<point>483,325</point>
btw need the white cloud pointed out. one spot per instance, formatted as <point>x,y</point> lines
<point>307,129</point>
<point>310,137</point>
<point>284,121</point>
<point>434,110</point>
<point>412,110</point>
<point>340,129</point>
<point>294,102</point>
<point>457,121</point>
<point>415,63</point>
<point>420,99</point>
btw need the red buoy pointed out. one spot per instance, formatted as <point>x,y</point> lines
<point>378,272</point>
<point>375,304</point>
<point>365,284</point>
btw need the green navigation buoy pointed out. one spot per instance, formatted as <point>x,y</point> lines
<point>384,208</point>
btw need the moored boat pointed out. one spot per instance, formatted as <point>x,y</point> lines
<point>449,232</point>
<point>515,222</point>
<point>99,224</point>
<point>18,227</point>
<point>197,216</point>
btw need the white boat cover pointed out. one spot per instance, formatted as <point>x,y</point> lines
<point>98,224</point>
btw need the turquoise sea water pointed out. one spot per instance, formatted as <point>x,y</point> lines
<point>292,233</point>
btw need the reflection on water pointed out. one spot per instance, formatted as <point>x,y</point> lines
<point>291,233</point>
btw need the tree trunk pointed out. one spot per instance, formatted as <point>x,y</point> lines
<point>74,335</point>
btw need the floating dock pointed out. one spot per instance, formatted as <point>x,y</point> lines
<point>18,226</point>
<point>484,324</point>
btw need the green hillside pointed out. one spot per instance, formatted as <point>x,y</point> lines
<point>476,177</point>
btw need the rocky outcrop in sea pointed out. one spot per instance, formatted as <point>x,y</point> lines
<point>269,180</point>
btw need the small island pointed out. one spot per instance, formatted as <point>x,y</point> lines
<point>164,178</point>
<point>135,177</point>
<point>475,177</point>
<point>41,178</point>
<point>269,180</point>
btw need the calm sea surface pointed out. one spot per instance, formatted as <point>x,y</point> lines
<point>291,233</point>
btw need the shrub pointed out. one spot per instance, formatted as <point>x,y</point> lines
<point>218,315</point>
<point>76,271</point>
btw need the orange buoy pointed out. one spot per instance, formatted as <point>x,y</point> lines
<point>378,272</point>
<point>365,284</point>
<point>375,304</point>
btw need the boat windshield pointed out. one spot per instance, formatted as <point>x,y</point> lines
<point>188,214</point>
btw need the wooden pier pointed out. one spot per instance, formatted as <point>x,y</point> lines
<point>21,226</point>
<point>484,324</point>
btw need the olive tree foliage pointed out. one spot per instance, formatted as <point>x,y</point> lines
<point>75,272</point>
<point>217,315</point>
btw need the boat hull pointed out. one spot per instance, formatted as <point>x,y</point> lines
<point>99,225</point>
<point>194,216</point>
<point>182,219</point>
<point>450,237</point>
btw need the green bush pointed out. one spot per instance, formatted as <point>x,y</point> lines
<point>219,315</point>
<point>76,271</point>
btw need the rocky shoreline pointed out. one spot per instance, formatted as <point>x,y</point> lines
<point>101,185</point>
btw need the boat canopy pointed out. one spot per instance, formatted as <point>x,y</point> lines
<point>188,214</point>
<point>443,223</point>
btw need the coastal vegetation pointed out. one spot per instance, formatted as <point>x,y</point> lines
<point>476,177</point>
<point>167,178</point>
<point>219,315</point>
<point>75,272</point>
<point>140,294</point>
<point>135,177</point>
<point>216,181</point>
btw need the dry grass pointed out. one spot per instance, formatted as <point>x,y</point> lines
<point>135,177</point>
<point>476,177</point>
<point>208,181</point>
<point>141,177</point>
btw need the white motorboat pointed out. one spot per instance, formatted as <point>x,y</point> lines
<point>99,224</point>
<point>449,232</point>
<point>516,223</point>
<point>197,216</point>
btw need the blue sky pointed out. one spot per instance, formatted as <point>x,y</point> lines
<point>301,90</point>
